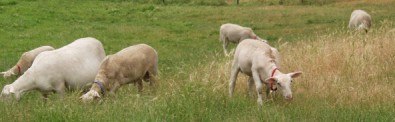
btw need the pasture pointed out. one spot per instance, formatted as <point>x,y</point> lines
<point>347,76</point>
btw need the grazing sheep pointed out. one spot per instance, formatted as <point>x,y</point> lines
<point>235,33</point>
<point>360,20</point>
<point>25,61</point>
<point>130,65</point>
<point>69,67</point>
<point>256,59</point>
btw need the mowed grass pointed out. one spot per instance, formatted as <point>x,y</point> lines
<point>347,76</point>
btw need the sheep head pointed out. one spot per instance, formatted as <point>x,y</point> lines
<point>89,96</point>
<point>7,75</point>
<point>283,83</point>
<point>8,90</point>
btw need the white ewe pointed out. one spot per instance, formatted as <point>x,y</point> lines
<point>235,33</point>
<point>69,67</point>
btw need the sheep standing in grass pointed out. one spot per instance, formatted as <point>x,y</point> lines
<point>360,20</point>
<point>130,65</point>
<point>69,67</point>
<point>25,61</point>
<point>257,60</point>
<point>235,33</point>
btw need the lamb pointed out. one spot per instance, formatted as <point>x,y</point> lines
<point>257,60</point>
<point>25,61</point>
<point>360,20</point>
<point>130,65</point>
<point>235,33</point>
<point>70,67</point>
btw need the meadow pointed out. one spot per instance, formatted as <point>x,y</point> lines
<point>348,76</point>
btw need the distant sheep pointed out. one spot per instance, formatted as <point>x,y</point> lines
<point>69,67</point>
<point>130,65</point>
<point>25,61</point>
<point>360,20</point>
<point>257,60</point>
<point>235,34</point>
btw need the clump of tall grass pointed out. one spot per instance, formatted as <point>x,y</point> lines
<point>342,68</point>
<point>345,68</point>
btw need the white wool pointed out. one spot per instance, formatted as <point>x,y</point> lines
<point>69,67</point>
<point>259,61</point>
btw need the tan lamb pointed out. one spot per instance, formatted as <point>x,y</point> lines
<point>130,65</point>
<point>25,61</point>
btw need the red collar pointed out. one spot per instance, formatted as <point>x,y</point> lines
<point>274,70</point>
<point>19,70</point>
<point>271,82</point>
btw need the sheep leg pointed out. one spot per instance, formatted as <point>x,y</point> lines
<point>268,91</point>
<point>114,88</point>
<point>250,85</point>
<point>153,83</point>
<point>140,86</point>
<point>258,86</point>
<point>60,90</point>
<point>45,97</point>
<point>149,77</point>
<point>225,45</point>
<point>233,77</point>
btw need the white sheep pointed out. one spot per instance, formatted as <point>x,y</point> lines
<point>257,60</point>
<point>25,61</point>
<point>70,67</point>
<point>235,34</point>
<point>130,65</point>
<point>360,20</point>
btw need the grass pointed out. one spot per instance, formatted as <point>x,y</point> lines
<point>347,76</point>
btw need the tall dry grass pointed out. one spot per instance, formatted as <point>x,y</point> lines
<point>342,68</point>
<point>345,68</point>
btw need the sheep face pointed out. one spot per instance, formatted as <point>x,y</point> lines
<point>284,82</point>
<point>8,90</point>
<point>89,96</point>
<point>7,74</point>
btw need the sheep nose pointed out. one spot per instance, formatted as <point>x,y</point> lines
<point>289,98</point>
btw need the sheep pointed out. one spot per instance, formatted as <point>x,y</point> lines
<point>130,65</point>
<point>25,61</point>
<point>360,20</point>
<point>235,33</point>
<point>257,60</point>
<point>70,67</point>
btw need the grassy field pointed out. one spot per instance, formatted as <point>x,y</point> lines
<point>347,76</point>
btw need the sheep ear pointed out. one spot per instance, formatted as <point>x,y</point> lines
<point>96,95</point>
<point>12,90</point>
<point>295,74</point>
<point>271,79</point>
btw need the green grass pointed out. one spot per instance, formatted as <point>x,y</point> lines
<point>185,36</point>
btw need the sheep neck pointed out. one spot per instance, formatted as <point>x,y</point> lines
<point>273,70</point>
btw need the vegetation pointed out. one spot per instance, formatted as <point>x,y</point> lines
<point>348,76</point>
